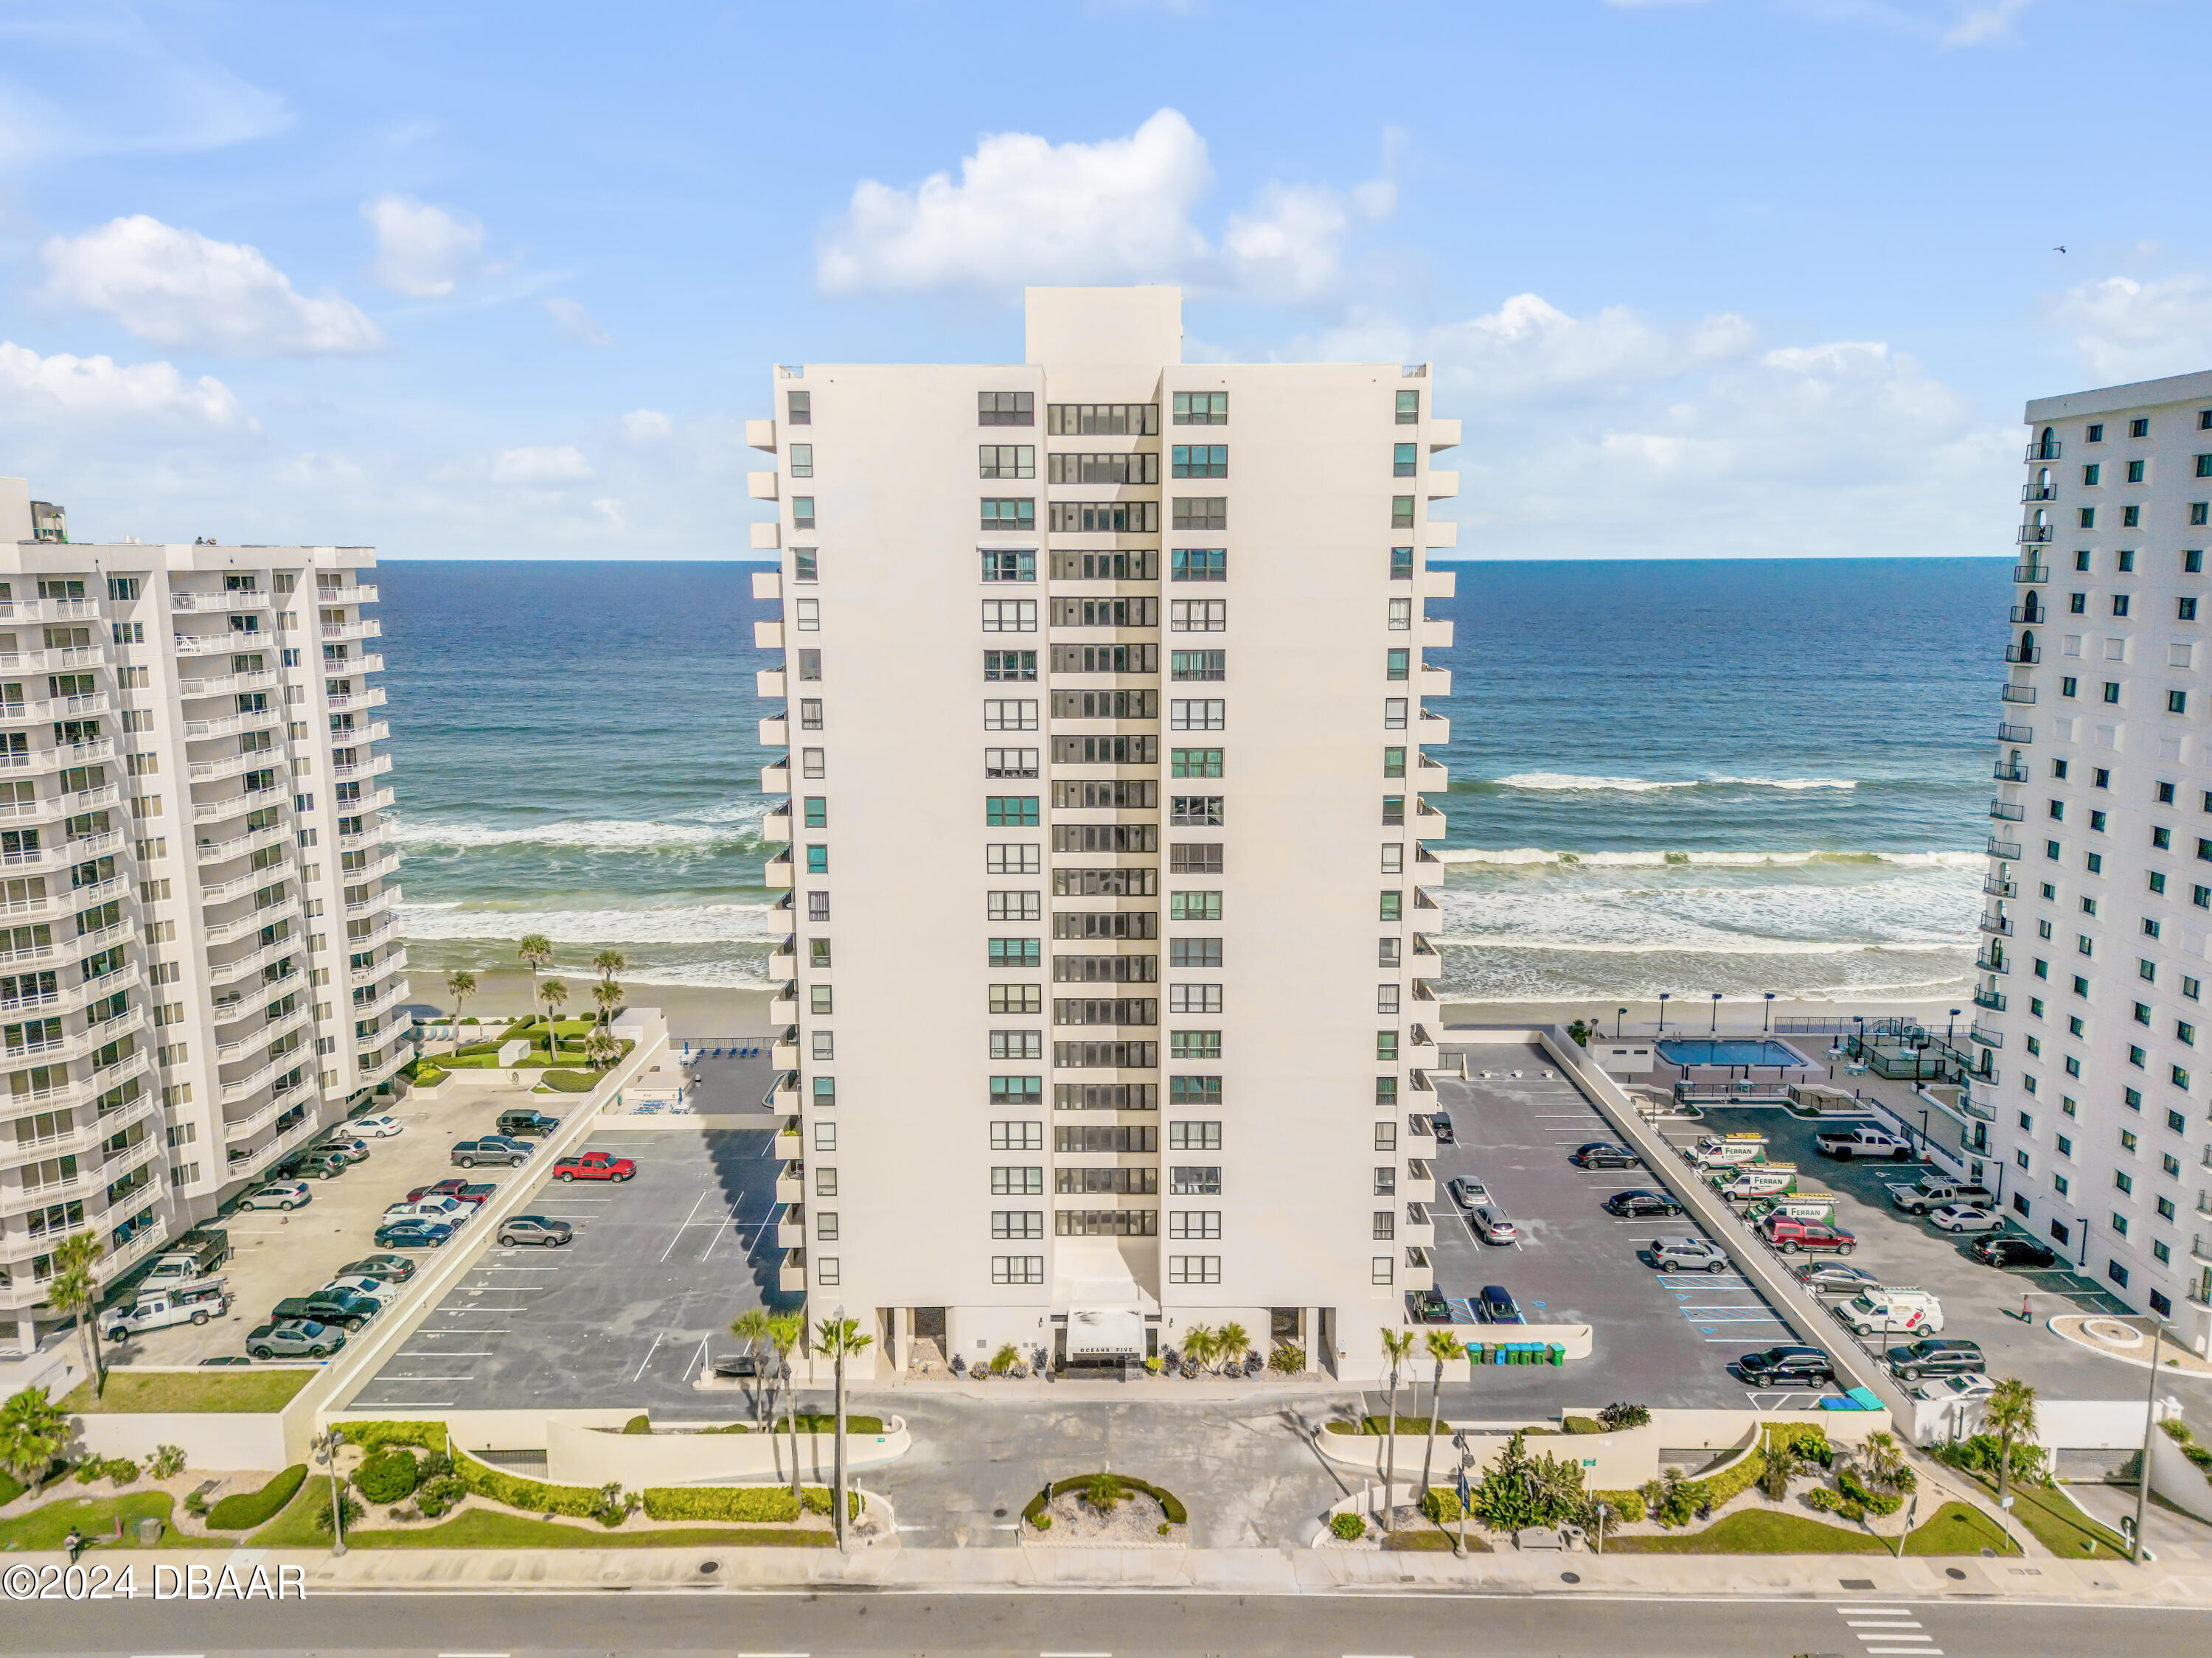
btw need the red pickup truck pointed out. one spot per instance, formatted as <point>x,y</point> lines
<point>594,1165</point>
<point>466,1191</point>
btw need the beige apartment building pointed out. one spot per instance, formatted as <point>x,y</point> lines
<point>199,958</point>
<point>2093,1117</point>
<point>1107,998</point>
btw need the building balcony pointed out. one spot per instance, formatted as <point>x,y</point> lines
<point>769,684</point>
<point>382,899</point>
<point>777,871</point>
<point>790,1183</point>
<point>261,1036</point>
<point>776,827</point>
<point>1991,961</point>
<point>82,1137</point>
<point>782,1096</point>
<point>791,1229</point>
<point>1429,774</point>
<point>783,960</point>
<point>222,644</point>
<point>767,585</point>
<point>1977,1108</point>
<point>1432,728</point>
<point>2043,449</point>
<point>221,974</point>
<point>268,1111</point>
<point>375,766</point>
<point>1992,999</point>
<point>40,761</point>
<point>1433,682</point>
<point>2030,612</point>
<point>2023,653</point>
<point>367,628</point>
<point>368,662</point>
<point>2026,574</point>
<point>1986,1037</point>
<point>2017,694</point>
<point>392,962</point>
<point>224,932</point>
<point>2008,733</point>
<point>2010,771</point>
<point>776,733</point>
<point>227,684</point>
<point>1419,1272</point>
<point>236,806</point>
<point>2035,492</point>
<point>245,1164</point>
<point>1997,886</point>
<point>767,636</point>
<point>232,765</point>
<point>2008,811</point>
<point>233,725</point>
<point>217,603</point>
<point>352,592</point>
<point>210,853</point>
<point>791,1275</point>
<point>776,779</point>
<point>2007,850</point>
<point>2035,535</point>
<point>382,1068</point>
<point>371,698</point>
<point>49,609</point>
<point>370,836</point>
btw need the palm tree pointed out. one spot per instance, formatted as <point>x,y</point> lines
<point>750,1327</point>
<point>1397,1347</point>
<point>1198,1345</point>
<point>786,1330</point>
<point>841,1337</point>
<point>1443,1349</point>
<point>552,992</point>
<point>537,950</point>
<point>32,1431</point>
<point>2010,1412</point>
<point>460,985</point>
<point>608,994</point>
<point>76,1290</point>
<point>1230,1345</point>
<point>600,1049</point>
<point>609,964</point>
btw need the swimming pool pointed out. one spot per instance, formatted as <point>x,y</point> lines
<point>1729,1050</point>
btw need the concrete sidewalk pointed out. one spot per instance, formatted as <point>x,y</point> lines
<point>1219,1571</point>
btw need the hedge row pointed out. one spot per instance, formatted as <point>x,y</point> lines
<point>372,1436</point>
<point>749,1505</point>
<point>1621,1507</point>
<point>243,1510</point>
<point>808,1424</point>
<point>1170,1505</point>
<point>531,1496</point>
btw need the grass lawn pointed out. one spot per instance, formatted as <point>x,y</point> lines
<point>1953,1529</point>
<point>45,1526</point>
<point>223,1387</point>
<point>484,1528</point>
<point>2061,1527</point>
<point>1430,1539</point>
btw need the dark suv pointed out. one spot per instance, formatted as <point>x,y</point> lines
<point>524,1121</point>
<point>1938,1356</point>
<point>1787,1367</point>
<point>2010,1249</point>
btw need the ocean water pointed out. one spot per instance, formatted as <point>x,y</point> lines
<point>1682,776</point>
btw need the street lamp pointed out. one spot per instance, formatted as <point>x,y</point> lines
<point>1949,1027</point>
<point>1459,1542</point>
<point>328,1447</point>
<point>1664,995</point>
<point>1601,1513</point>
<point>1717,1013</point>
<point>1619,1014</point>
<point>1767,1018</point>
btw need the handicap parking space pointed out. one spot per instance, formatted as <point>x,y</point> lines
<point>1981,1303</point>
<point>1660,1338</point>
<point>627,1313</point>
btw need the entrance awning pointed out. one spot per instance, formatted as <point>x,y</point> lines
<point>1104,1304</point>
<point>1105,1332</point>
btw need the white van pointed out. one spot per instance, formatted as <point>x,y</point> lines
<point>1901,1310</point>
<point>1717,1151</point>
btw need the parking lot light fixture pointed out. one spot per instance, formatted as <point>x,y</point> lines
<point>1717,1013</point>
<point>1619,1014</point>
<point>1766,1019</point>
<point>1663,997</point>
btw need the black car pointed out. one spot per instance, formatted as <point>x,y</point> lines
<point>1429,1307</point>
<point>492,1148</point>
<point>1442,1123</point>
<point>535,1229</point>
<point>1642,1203</point>
<point>1604,1154</point>
<point>1938,1356</point>
<point>392,1269</point>
<point>313,1165</point>
<point>522,1120</point>
<point>2010,1249</point>
<point>344,1307</point>
<point>1787,1367</point>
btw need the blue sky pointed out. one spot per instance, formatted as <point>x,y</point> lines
<point>1705,277</point>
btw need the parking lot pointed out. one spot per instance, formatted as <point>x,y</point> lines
<point>1980,1303</point>
<point>627,1313</point>
<point>275,1254</point>
<point>1661,1338</point>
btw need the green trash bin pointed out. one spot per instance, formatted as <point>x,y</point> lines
<point>1558,1354</point>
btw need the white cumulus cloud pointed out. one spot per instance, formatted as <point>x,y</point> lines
<point>544,463</point>
<point>423,251</point>
<point>578,324</point>
<point>183,291</point>
<point>1984,24</point>
<point>2125,330</point>
<point>647,426</point>
<point>101,389</point>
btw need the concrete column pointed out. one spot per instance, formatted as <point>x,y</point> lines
<point>27,1336</point>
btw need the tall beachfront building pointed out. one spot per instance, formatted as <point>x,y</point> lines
<point>199,962</point>
<point>2093,1021</point>
<point>1106,999</point>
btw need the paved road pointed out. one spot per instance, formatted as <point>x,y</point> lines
<point>1146,1625</point>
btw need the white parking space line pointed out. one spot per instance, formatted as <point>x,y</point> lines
<point>649,1352</point>
<point>678,1236</point>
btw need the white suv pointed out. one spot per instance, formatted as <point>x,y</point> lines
<point>1688,1255</point>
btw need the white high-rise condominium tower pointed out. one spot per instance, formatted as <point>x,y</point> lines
<point>200,963</point>
<point>2094,1023</point>
<point>1107,988</point>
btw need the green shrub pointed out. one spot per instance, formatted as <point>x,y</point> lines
<point>1614,1417</point>
<point>168,1461</point>
<point>1169,1504</point>
<point>1885,1503</point>
<point>744,1505</point>
<point>1978,1456</point>
<point>439,1492</point>
<point>388,1475</point>
<point>818,1502</point>
<point>122,1471</point>
<point>1621,1507</point>
<point>2201,1456</point>
<point>1824,1500</point>
<point>89,1471</point>
<point>1288,1359</point>
<point>571,1082</point>
<point>1438,1503</point>
<point>349,1504</point>
<point>638,1424</point>
<point>244,1510</point>
<point>1581,1424</point>
<point>370,1436</point>
<point>2176,1429</point>
<point>808,1424</point>
<point>1042,1522</point>
<point>1352,1527</point>
<point>1162,1528</point>
<point>1808,1440</point>
<point>531,1496</point>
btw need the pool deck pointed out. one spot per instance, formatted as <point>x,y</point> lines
<point>1688,1054</point>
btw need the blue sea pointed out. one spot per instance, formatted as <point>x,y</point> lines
<point>1691,776</point>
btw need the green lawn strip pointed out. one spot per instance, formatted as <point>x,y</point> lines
<point>809,1423</point>
<point>489,1528</point>
<point>1955,1529</point>
<point>2058,1525</point>
<point>1429,1538</point>
<point>224,1388</point>
<point>45,1526</point>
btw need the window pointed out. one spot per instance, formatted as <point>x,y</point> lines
<point>1013,858</point>
<point>1017,1136</point>
<point>802,566</point>
<point>1195,810</point>
<point>1198,616</point>
<point>1194,952</point>
<point>1405,460</point>
<point>802,511</point>
<point>1194,906</point>
<point>2112,690</point>
<point>1022,1269</point>
<point>1005,408</point>
<point>1194,1137</point>
<point>2092,475</point>
<point>1010,763</point>
<point>1196,1269</point>
<point>1009,513</point>
<point>1101,518</point>
<point>1017,1223</point>
<point>1194,858</point>
<point>1198,715</point>
<point>1193,1044</point>
<point>1409,408</point>
<point>813,764</point>
<point>1397,665</point>
<point>1401,613</point>
<point>1393,762</point>
<point>1392,906</point>
<point>1005,460</point>
<point>1194,1180</point>
<point>1402,512</point>
<point>1008,565</point>
<point>1401,564</point>
<point>809,714</point>
<point>817,860</point>
<point>1198,564</point>
<point>1113,466</point>
<point>1201,409</point>
<point>1009,615</point>
<point>2081,560</point>
<point>1011,810</point>
<point>1195,763</point>
<point>1199,460</point>
<point>2185,609</point>
<point>2138,429</point>
<point>2086,519</point>
<point>1393,713</point>
<point>816,809</point>
<point>808,614</point>
<point>1014,952</point>
<point>1017,1179</point>
<point>1009,665</point>
<point>798,408</point>
<point>1009,716</point>
<point>1200,512</point>
<point>1070,420</point>
<point>2177,701</point>
<point>1194,1223</point>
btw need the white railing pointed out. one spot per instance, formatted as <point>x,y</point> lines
<point>231,765</point>
<point>369,975</point>
<point>371,698</point>
<point>248,600</point>
<point>375,766</point>
<point>258,679</point>
<point>227,973</point>
<point>358,592</point>
<point>375,902</point>
<point>268,915</point>
<point>230,724</point>
<point>263,1036</point>
<point>261,1157</point>
<point>217,852</point>
<point>213,812</point>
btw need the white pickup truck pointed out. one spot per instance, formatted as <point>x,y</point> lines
<point>1863,1140</point>
<point>159,1309</point>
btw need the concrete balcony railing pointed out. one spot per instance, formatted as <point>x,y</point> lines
<point>47,708</point>
<point>234,765</point>
<point>285,908</point>
<point>49,609</point>
<point>245,1165</point>
<point>233,725</point>
<point>351,593</point>
<point>368,627</point>
<point>248,599</point>
<point>267,1112</point>
<point>82,1137</point>
<point>375,766</point>
<point>370,835</point>
<point>239,846</point>
<point>227,684</point>
<point>371,698</point>
<point>219,644</point>
<point>229,973</point>
<point>778,870</point>
<point>376,903</point>
<point>391,962</point>
<point>380,998</point>
<point>37,761</point>
<point>236,806</point>
<point>261,1036</point>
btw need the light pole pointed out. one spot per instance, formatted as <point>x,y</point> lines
<point>1664,995</point>
<point>1951,1025</point>
<point>1601,1513</point>
<point>2150,1427</point>
<point>1459,1542</point>
<point>329,1447</point>
<point>1766,1019</point>
<point>1717,1013</point>
<point>1619,1014</point>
